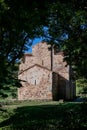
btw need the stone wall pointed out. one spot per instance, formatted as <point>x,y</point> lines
<point>36,70</point>
<point>40,55</point>
<point>59,66</point>
<point>38,84</point>
<point>44,55</point>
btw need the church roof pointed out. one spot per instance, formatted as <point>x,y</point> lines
<point>43,67</point>
<point>28,54</point>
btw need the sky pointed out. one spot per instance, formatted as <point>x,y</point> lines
<point>35,41</point>
<point>46,33</point>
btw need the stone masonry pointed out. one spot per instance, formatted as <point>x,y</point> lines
<point>43,75</point>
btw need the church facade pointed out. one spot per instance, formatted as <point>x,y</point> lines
<point>43,75</point>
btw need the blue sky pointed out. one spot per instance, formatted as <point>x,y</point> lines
<point>35,41</point>
<point>46,33</point>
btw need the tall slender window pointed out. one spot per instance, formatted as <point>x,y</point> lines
<point>42,62</point>
<point>35,82</point>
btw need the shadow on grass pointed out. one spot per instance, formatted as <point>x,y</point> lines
<point>67,116</point>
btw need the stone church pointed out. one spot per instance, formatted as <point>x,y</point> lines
<point>44,76</point>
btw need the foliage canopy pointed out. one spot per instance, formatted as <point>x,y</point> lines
<point>21,21</point>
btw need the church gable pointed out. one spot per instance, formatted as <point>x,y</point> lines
<point>42,72</point>
<point>38,84</point>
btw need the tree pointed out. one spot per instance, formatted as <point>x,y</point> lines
<point>20,22</point>
<point>68,28</point>
<point>82,87</point>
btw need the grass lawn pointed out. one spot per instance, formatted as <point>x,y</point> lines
<point>46,115</point>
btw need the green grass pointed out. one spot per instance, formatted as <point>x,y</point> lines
<point>38,115</point>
